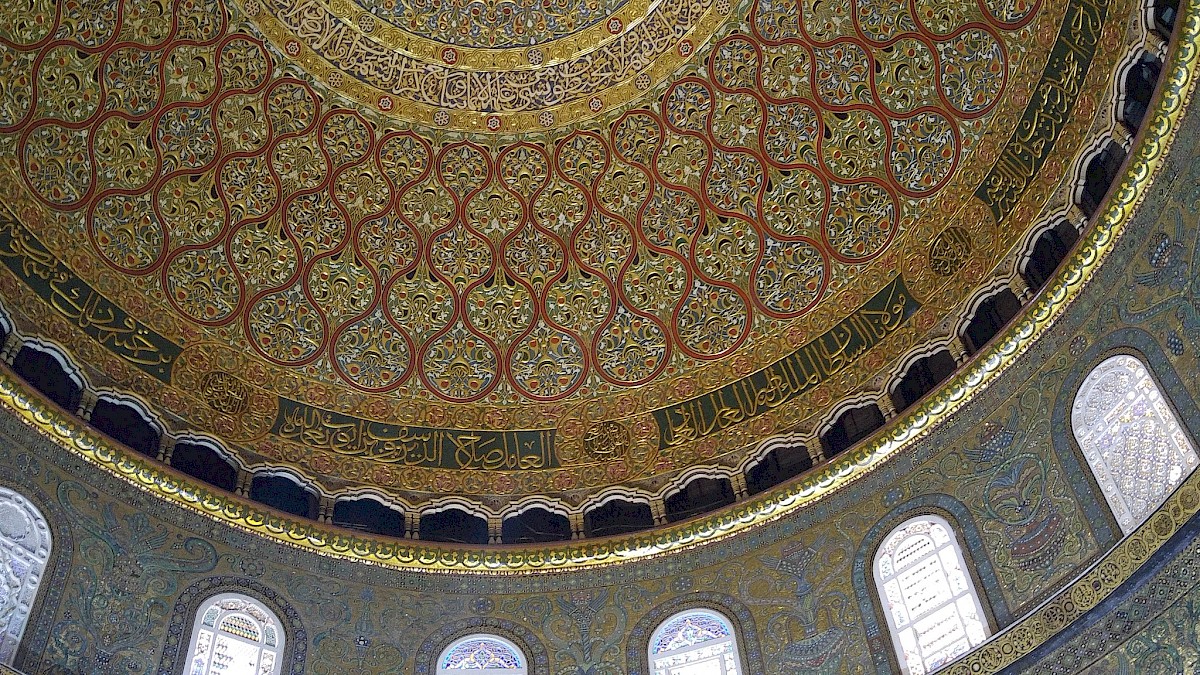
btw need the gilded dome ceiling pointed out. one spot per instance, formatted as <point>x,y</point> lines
<point>505,248</point>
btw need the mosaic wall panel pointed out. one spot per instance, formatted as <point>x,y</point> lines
<point>1152,629</point>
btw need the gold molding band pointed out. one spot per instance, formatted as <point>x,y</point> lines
<point>73,435</point>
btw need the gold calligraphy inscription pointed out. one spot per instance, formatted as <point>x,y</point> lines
<point>1049,109</point>
<point>80,304</point>
<point>949,250</point>
<point>225,393</point>
<point>782,381</point>
<point>414,446</point>
<point>490,90</point>
<point>492,24</point>
<point>606,440</point>
<point>500,90</point>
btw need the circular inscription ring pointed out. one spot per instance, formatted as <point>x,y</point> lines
<point>475,77</point>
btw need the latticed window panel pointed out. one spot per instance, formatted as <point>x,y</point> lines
<point>24,551</point>
<point>1131,438</point>
<point>695,642</point>
<point>932,607</point>
<point>235,635</point>
<point>482,655</point>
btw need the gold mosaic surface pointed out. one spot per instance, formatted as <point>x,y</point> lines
<point>344,241</point>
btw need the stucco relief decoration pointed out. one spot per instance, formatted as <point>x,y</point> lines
<point>233,280</point>
<point>558,244</point>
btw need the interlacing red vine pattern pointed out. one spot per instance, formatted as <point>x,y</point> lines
<point>473,268</point>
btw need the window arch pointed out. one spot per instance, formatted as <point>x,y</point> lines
<point>1131,439</point>
<point>235,635</point>
<point>932,607</point>
<point>482,655</point>
<point>25,545</point>
<point>695,642</point>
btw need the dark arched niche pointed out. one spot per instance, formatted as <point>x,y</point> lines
<point>127,424</point>
<point>201,461</point>
<point>699,496</point>
<point>453,525</point>
<point>284,494</point>
<point>535,525</point>
<point>368,515</point>
<point>851,426</point>
<point>989,318</point>
<point>46,373</point>
<point>617,516</point>
<point>784,461</point>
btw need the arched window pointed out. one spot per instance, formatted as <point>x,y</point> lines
<point>1131,439</point>
<point>235,635</point>
<point>482,655</point>
<point>932,607</point>
<point>25,545</point>
<point>695,642</point>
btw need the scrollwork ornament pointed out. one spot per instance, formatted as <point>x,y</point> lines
<point>238,248</point>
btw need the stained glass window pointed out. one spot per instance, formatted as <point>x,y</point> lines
<point>694,642</point>
<point>25,546</point>
<point>1131,439</point>
<point>482,655</point>
<point>933,610</point>
<point>234,635</point>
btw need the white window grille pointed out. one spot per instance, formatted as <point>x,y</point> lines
<point>235,635</point>
<point>25,542</point>
<point>1131,439</point>
<point>482,654</point>
<point>695,642</point>
<point>932,607</point>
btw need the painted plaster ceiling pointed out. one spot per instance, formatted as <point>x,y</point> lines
<point>517,247</point>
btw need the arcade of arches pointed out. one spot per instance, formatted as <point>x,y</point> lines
<point>692,337</point>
